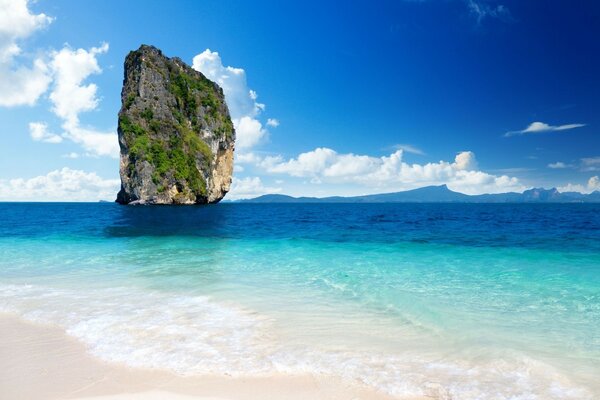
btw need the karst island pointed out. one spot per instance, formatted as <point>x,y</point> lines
<point>176,136</point>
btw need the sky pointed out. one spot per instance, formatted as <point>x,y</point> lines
<point>327,98</point>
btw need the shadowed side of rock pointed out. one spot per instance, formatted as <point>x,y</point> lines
<point>175,133</point>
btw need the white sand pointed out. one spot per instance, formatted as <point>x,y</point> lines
<point>40,362</point>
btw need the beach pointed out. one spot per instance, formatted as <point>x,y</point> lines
<point>42,362</point>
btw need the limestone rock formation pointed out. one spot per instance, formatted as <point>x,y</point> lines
<point>175,133</point>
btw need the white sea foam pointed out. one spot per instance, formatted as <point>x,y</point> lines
<point>196,335</point>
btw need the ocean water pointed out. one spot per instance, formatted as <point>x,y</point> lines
<point>452,301</point>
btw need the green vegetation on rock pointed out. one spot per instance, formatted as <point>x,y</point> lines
<point>187,89</point>
<point>147,114</point>
<point>176,157</point>
<point>129,101</point>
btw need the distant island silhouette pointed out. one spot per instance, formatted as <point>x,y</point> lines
<point>439,194</point>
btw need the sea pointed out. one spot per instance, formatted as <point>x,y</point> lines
<point>451,301</point>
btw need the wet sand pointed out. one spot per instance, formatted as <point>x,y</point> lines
<point>42,362</point>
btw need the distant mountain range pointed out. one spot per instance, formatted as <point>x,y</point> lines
<point>440,194</point>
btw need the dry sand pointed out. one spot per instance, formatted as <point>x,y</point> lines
<point>41,362</point>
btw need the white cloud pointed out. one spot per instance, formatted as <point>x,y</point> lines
<point>558,165</point>
<point>540,127</point>
<point>247,158</point>
<point>255,159</point>
<point>273,122</point>
<point>465,161</point>
<point>66,70</point>
<point>70,96</point>
<point>387,173</point>
<point>60,185</point>
<point>249,187</point>
<point>310,163</point>
<point>39,132</point>
<point>71,68</point>
<point>249,132</point>
<point>593,184</point>
<point>20,85</point>
<point>17,22</point>
<point>241,100</point>
<point>96,143</point>
<point>408,148</point>
<point>23,86</point>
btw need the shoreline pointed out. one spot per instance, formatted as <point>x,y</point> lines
<point>43,362</point>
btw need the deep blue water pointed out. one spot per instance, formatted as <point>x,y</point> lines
<point>574,227</point>
<point>469,301</point>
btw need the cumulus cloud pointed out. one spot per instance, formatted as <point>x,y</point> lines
<point>60,185</point>
<point>540,127</point>
<point>241,100</point>
<point>70,96</point>
<point>20,85</point>
<point>65,71</point>
<point>255,159</point>
<point>324,165</point>
<point>71,68</point>
<point>315,162</point>
<point>593,184</point>
<point>17,22</point>
<point>465,161</point>
<point>39,132</point>
<point>249,187</point>
<point>249,131</point>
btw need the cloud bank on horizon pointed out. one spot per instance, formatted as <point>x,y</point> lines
<point>61,79</point>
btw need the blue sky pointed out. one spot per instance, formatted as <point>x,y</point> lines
<point>368,97</point>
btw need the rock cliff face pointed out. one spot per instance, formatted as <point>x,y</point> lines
<point>175,133</point>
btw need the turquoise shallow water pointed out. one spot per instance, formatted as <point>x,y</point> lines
<point>447,300</point>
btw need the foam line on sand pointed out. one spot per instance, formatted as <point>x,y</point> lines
<point>42,362</point>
